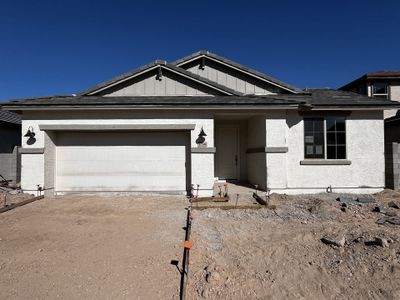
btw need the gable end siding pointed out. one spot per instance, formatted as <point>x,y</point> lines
<point>149,84</point>
<point>231,78</point>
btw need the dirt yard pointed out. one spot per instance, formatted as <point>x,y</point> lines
<point>83,247</point>
<point>103,247</point>
<point>278,254</point>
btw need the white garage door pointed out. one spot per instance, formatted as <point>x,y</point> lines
<point>121,161</point>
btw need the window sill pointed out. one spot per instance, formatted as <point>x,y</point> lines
<point>325,162</point>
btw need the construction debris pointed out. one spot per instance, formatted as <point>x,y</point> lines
<point>21,203</point>
<point>390,220</point>
<point>211,199</point>
<point>366,199</point>
<point>393,204</point>
<point>335,241</point>
<point>259,199</point>
<point>382,242</point>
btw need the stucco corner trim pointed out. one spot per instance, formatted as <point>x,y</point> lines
<point>325,162</point>
<point>276,149</point>
<point>268,150</point>
<point>204,150</point>
<point>31,150</point>
<point>88,127</point>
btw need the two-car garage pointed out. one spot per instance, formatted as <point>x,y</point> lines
<point>122,161</point>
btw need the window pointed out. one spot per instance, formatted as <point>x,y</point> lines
<point>325,138</point>
<point>380,89</point>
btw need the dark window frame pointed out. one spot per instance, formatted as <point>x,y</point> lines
<point>334,138</point>
<point>385,94</point>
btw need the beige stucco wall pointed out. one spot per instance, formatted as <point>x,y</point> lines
<point>256,160</point>
<point>365,150</point>
<point>284,173</point>
<point>33,165</point>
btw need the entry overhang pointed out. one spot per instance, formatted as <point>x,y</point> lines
<point>108,127</point>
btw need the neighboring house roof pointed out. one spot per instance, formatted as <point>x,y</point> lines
<point>393,120</point>
<point>381,75</point>
<point>237,66</point>
<point>337,98</point>
<point>9,117</point>
<point>310,99</point>
<point>163,65</point>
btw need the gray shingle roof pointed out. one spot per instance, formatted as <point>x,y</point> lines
<point>324,98</point>
<point>216,57</point>
<point>162,64</point>
<point>377,75</point>
<point>9,117</point>
<point>149,101</point>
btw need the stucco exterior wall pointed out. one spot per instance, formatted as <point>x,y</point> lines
<point>365,150</point>
<point>34,167</point>
<point>256,160</point>
<point>277,136</point>
<point>279,171</point>
<point>32,172</point>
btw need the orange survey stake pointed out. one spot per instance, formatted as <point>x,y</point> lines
<point>187,245</point>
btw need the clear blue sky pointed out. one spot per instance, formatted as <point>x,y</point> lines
<point>63,47</point>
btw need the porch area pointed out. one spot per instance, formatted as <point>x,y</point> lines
<point>240,141</point>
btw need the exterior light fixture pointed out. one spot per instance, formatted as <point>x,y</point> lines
<point>30,133</point>
<point>200,140</point>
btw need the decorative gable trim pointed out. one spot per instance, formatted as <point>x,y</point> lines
<point>160,66</point>
<point>237,67</point>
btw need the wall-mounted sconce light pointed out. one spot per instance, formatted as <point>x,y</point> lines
<point>200,140</point>
<point>30,133</point>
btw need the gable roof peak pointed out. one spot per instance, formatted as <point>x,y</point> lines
<point>151,66</point>
<point>234,65</point>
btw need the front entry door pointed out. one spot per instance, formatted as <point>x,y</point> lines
<point>227,158</point>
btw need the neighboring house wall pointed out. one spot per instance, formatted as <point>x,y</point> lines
<point>10,165</point>
<point>10,136</point>
<point>10,140</point>
<point>33,164</point>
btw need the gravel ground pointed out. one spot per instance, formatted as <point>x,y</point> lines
<point>120,247</point>
<point>86,247</point>
<point>278,254</point>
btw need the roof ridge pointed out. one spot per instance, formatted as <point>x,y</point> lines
<point>243,68</point>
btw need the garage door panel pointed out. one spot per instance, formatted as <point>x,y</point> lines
<point>148,166</point>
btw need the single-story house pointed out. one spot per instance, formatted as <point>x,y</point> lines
<point>201,119</point>
<point>10,141</point>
